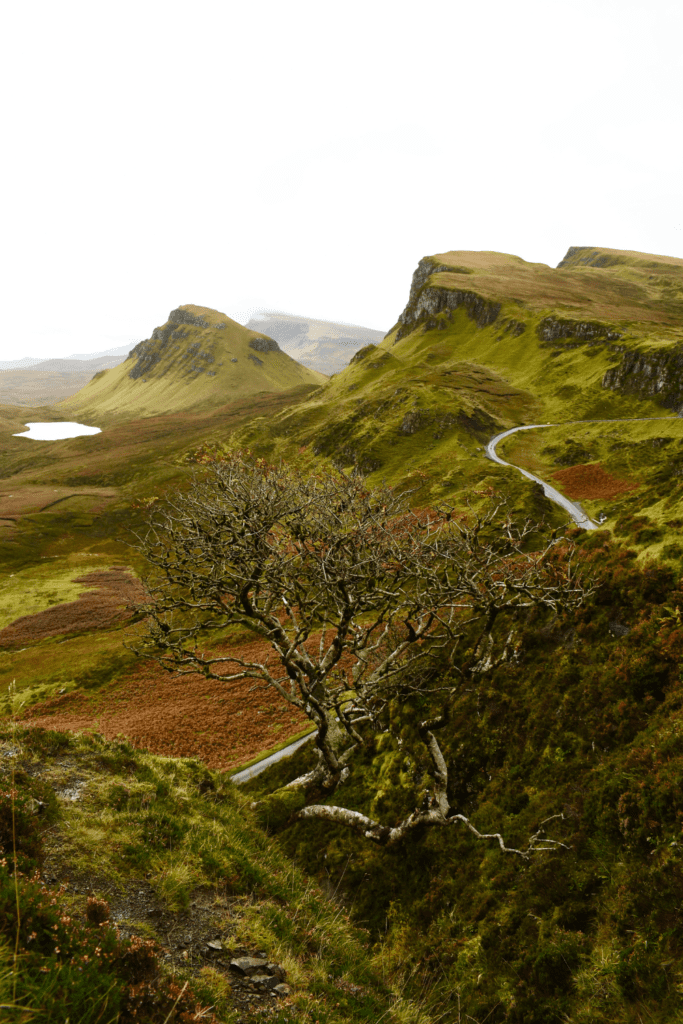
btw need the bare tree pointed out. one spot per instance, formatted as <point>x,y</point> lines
<point>360,600</point>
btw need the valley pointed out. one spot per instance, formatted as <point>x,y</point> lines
<point>580,724</point>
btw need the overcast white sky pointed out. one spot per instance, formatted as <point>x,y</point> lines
<point>303,156</point>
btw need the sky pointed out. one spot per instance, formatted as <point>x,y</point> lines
<point>304,156</point>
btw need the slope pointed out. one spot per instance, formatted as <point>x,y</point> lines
<point>198,359</point>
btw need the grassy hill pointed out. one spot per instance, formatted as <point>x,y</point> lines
<point>488,341</point>
<point>198,359</point>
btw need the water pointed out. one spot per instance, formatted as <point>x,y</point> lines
<point>56,431</point>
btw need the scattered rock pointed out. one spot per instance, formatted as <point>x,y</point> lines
<point>248,965</point>
<point>264,345</point>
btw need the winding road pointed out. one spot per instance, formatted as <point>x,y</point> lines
<point>260,766</point>
<point>574,510</point>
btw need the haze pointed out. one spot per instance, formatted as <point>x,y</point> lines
<point>304,156</point>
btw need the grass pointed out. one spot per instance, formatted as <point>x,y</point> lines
<point>586,723</point>
<point>163,840</point>
<point>646,454</point>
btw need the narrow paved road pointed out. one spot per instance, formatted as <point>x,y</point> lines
<point>260,766</point>
<point>574,510</point>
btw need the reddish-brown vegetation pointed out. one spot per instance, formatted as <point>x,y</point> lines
<point>225,724</point>
<point>592,481</point>
<point>116,591</point>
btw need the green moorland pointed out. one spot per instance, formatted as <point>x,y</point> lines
<point>644,460</point>
<point>584,723</point>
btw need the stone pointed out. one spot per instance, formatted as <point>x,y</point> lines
<point>265,980</point>
<point>282,990</point>
<point>248,965</point>
<point>264,344</point>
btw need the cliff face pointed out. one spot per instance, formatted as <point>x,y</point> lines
<point>606,306</point>
<point>426,303</point>
<point>657,375</point>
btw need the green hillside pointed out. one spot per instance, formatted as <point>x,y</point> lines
<point>198,359</point>
<point>486,342</point>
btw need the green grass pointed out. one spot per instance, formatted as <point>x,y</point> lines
<point>587,724</point>
<point>43,586</point>
<point>193,368</point>
<point>145,821</point>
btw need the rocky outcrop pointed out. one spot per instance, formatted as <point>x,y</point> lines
<point>147,354</point>
<point>553,329</point>
<point>657,375</point>
<point>181,316</point>
<point>362,353</point>
<point>426,303</point>
<point>264,345</point>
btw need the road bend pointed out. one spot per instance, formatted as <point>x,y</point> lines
<point>574,509</point>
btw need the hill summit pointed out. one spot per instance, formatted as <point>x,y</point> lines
<point>197,359</point>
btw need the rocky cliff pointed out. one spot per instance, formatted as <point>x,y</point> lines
<point>622,310</point>
<point>657,375</point>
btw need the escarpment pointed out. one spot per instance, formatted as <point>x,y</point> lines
<point>425,303</point>
<point>657,375</point>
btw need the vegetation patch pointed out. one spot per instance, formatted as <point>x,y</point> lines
<point>114,594</point>
<point>143,891</point>
<point>592,481</point>
<point>225,724</point>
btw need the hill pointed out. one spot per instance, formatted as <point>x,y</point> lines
<point>319,344</point>
<point>584,721</point>
<point>198,359</point>
<point>488,341</point>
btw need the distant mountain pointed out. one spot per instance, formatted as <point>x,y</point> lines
<point>110,357</point>
<point>46,381</point>
<point>198,359</point>
<point>319,344</point>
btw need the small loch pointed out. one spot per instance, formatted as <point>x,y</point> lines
<point>56,431</point>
